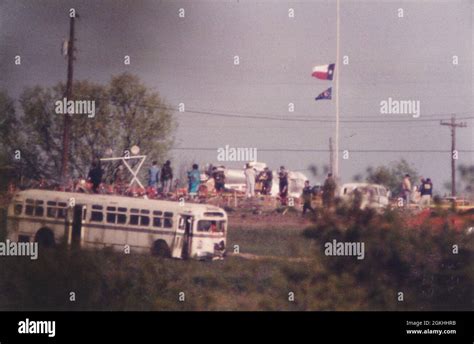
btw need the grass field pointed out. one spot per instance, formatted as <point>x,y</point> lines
<point>271,242</point>
<point>416,261</point>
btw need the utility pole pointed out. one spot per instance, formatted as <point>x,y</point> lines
<point>68,95</point>
<point>453,125</point>
<point>338,68</point>
<point>331,156</point>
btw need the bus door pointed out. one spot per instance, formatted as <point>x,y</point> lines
<point>78,216</point>
<point>182,243</point>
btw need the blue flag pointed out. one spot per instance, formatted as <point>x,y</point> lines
<point>325,95</point>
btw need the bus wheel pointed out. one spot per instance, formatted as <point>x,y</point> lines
<point>161,249</point>
<point>45,237</point>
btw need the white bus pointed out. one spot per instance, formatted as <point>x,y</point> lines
<point>163,228</point>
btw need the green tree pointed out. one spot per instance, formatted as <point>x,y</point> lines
<point>126,114</point>
<point>8,121</point>
<point>391,176</point>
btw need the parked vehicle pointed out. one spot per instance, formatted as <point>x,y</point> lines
<point>371,195</point>
<point>84,220</point>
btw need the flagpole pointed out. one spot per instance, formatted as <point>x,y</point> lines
<point>338,68</point>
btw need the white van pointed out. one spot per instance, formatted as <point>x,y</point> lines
<point>373,195</point>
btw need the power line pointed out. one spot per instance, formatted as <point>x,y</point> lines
<point>266,117</point>
<point>272,118</point>
<point>300,119</point>
<point>313,120</point>
<point>327,150</point>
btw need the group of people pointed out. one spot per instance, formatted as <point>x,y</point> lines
<point>265,178</point>
<point>328,194</point>
<point>160,179</point>
<point>420,194</point>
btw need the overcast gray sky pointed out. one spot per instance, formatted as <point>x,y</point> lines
<point>190,60</point>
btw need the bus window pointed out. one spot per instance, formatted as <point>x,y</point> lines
<point>211,226</point>
<point>214,214</point>
<point>121,218</point>
<point>157,218</point>
<point>29,209</point>
<point>51,209</point>
<point>168,221</point>
<point>111,217</point>
<point>62,210</point>
<point>157,222</point>
<point>144,220</point>
<point>39,209</point>
<point>18,209</point>
<point>136,219</point>
<point>115,215</point>
<point>204,225</point>
<point>51,212</point>
<point>96,213</point>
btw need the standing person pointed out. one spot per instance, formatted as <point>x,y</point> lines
<point>406,189</point>
<point>422,181</point>
<point>260,181</point>
<point>166,177</point>
<point>219,179</point>
<point>416,194</point>
<point>426,192</point>
<point>153,175</point>
<point>250,180</point>
<point>194,179</point>
<point>267,184</point>
<point>329,188</point>
<point>307,197</point>
<point>95,176</point>
<point>283,184</point>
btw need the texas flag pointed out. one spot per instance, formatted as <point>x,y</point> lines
<point>324,72</point>
<point>325,95</point>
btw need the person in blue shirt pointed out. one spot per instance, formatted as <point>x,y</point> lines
<point>426,192</point>
<point>194,179</point>
<point>153,175</point>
